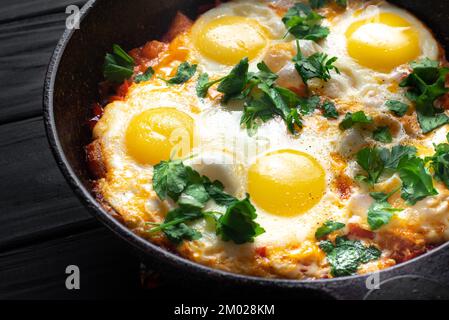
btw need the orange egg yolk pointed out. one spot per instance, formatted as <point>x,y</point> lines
<point>159,134</point>
<point>286,182</point>
<point>229,39</point>
<point>383,42</point>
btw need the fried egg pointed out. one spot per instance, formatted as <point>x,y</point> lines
<point>374,42</point>
<point>295,182</point>
<point>223,36</point>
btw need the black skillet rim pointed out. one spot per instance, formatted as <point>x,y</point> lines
<point>144,246</point>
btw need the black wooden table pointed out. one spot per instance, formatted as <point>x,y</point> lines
<point>43,226</point>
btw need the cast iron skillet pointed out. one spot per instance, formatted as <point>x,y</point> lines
<point>71,87</point>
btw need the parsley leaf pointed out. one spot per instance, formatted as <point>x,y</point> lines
<point>430,123</point>
<point>383,135</point>
<point>216,192</point>
<point>174,226</point>
<point>327,228</point>
<point>380,212</point>
<point>170,178</point>
<point>371,161</point>
<point>304,23</point>
<point>439,162</point>
<point>254,109</point>
<point>203,85</point>
<point>144,76</point>
<point>309,105</point>
<point>392,158</point>
<point>346,255</point>
<point>329,110</point>
<point>318,65</point>
<point>427,83</point>
<point>184,73</point>
<point>238,224</point>
<point>397,107</point>
<point>417,183</point>
<point>118,65</point>
<point>316,4</point>
<point>191,191</point>
<point>195,195</point>
<point>235,82</point>
<point>351,119</point>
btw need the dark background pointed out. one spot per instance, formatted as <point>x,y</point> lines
<point>43,226</point>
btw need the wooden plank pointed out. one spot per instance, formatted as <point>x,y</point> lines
<point>35,199</point>
<point>13,10</point>
<point>25,50</point>
<point>107,268</point>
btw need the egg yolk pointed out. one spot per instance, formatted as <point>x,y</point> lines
<point>229,39</point>
<point>159,134</point>
<point>286,182</point>
<point>383,42</point>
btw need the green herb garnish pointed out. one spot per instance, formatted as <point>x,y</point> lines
<point>184,73</point>
<point>427,83</point>
<point>304,23</point>
<point>118,65</point>
<point>346,255</point>
<point>382,134</point>
<point>327,228</point>
<point>371,161</point>
<point>238,224</point>
<point>397,107</point>
<point>329,110</point>
<point>417,183</point>
<point>380,212</point>
<point>147,75</point>
<point>393,156</point>
<point>191,191</point>
<point>316,4</point>
<point>318,65</point>
<point>175,227</point>
<point>352,119</point>
<point>439,163</point>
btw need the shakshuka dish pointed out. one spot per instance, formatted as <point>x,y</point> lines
<point>279,139</point>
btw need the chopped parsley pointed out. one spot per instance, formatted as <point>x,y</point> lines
<point>184,73</point>
<point>316,4</point>
<point>371,161</point>
<point>346,256</point>
<point>191,191</point>
<point>327,228</point>
<point>318,65</point>
<point>439,163</point>
<point>304,23</point>
<point>352,119</point>
<point>147,75</point>
<point>382,134</point>
<point>235,82</point>
<point>417,183</point>
<point>238,224</point>
<point>392,157</point>
<point>427,83</point>
<point>204,84</point>
<point>262,98</point>
<point>118,65</point>
<point>329,110</point>
<point>175,227</point>
<point>397,107</point>
<point>380,212</point>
